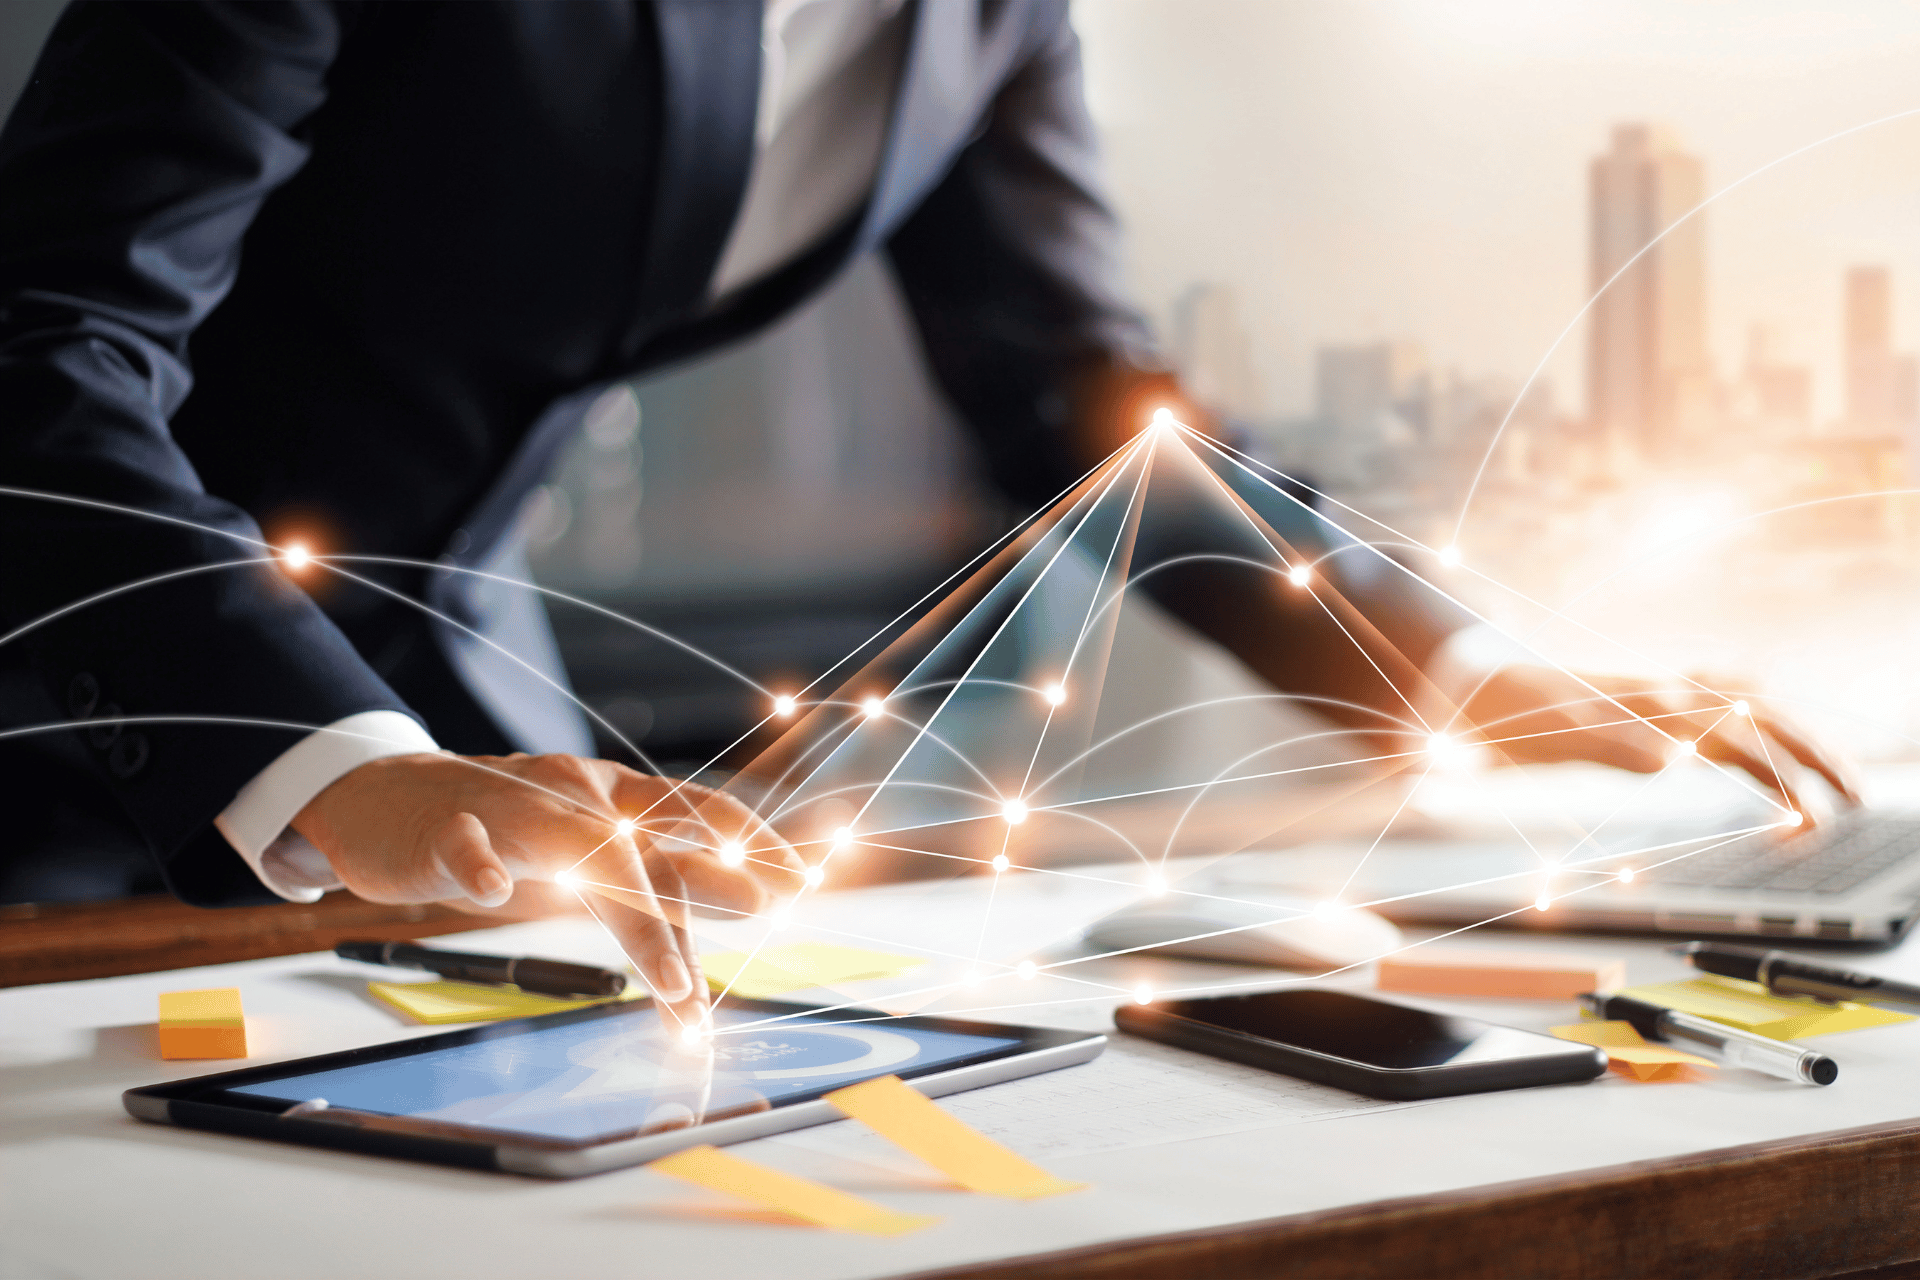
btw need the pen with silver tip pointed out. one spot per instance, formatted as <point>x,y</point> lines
<point>1734,1047</point>
<point>1785,975</point>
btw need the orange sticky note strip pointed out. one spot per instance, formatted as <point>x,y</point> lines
<point>1629,1054</point>
<point>911,1120</point>
<point>714,1169</point>
<point>202,1024</point>
<point>1499,974</point>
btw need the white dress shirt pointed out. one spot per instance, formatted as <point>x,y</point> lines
<point>827,75</point>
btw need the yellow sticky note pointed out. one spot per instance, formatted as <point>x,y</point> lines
<point>1747,1005</point>
<point>437,1002</point>
<point>714,1169</point>
<point>1628,1052</point>
<point>911,1120</point>
<point>797,966</point>
<point>202,1024</point>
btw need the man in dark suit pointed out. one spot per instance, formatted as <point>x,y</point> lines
<point>404,247</point>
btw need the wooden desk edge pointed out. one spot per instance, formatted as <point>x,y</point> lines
<point>1821,1205</point>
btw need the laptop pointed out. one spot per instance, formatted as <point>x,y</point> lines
<point>1853,879</point>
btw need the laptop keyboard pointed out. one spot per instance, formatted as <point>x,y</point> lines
<point>1833,858</point>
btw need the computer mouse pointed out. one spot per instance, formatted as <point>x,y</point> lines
<point>1275,932</point>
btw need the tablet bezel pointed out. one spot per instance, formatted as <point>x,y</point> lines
<point>208,1102</point>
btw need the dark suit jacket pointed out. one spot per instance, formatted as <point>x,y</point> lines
<point>352,270</point>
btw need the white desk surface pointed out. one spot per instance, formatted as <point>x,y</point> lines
<point>86,1191</point>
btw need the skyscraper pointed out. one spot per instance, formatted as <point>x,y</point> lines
<point>1649,378</point>
<point>1883,389</point>
<point>1215,354</point>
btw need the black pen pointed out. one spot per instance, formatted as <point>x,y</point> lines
<point>1784,975</point>
<point>1736,1048</point>
<point>543,977</point>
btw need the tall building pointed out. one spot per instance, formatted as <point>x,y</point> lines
<point>1883,389</point>
<point>1353,386</point>
<point>1213,350</point>
<point>1649,377</point>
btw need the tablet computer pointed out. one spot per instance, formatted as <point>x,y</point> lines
<point>587,1090</point>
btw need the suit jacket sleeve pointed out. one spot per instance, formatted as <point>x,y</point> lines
<point>129,172</point>
<point>1011,267</point>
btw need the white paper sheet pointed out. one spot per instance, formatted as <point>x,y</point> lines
<point>1135,1094</point>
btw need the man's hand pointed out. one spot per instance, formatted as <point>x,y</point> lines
<point>1535,714</point>
<point>421,828</point>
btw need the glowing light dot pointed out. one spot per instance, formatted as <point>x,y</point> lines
<point>1143,994</point>
<point>1542,902</point>
<point>1626,875</point>
<point>815,875</point>
<point>1014,811</point>
<point>1163,417</point>
<point>777,921</point>
<point>296,555</point>
<point>783,705</point>
<point>1000,862</point>
<point>970,978</point>
<point>733,853</point>
<point>1055,694</point>
<point>843,837</point>
<point>1793,819</point>
<point>1156,885</point>
<point>566,878</point>
<point>1741,708</point>
<point>691,1035</point>
<point>624,826</point>
<point>1025,970</point>
<point>1328,908</point>
<point>1682,749</point>
<point>1450,556</point>
<point>1299,575</point>
<point>874,708</point>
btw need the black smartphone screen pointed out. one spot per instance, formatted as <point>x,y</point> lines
<point>1361,1030</point>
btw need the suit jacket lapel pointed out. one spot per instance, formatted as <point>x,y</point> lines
<point>937,95</point>
<point>709,94</point>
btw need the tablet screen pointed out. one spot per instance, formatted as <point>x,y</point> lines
<point>588,1080</point>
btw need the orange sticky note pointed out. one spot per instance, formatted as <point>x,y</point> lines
<point>202,1024</point>
<point>1629,1054</point>
<point>1498,975</point>
<point>714,1169</point>
<point>911,1120</point>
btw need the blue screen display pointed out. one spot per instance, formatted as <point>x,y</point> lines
<point>613,1075</point>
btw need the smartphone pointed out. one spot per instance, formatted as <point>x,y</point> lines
<point>1367,1046</point>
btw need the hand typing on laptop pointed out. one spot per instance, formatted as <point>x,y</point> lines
<point>1536,715</point>
<point>428,827</point>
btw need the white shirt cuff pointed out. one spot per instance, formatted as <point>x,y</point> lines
<point>255,824</point>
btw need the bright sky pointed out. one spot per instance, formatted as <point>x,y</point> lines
<point>1417,168</point>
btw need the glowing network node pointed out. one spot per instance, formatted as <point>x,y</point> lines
<point>1014,811</point>
<point>1327,909</point>
<point>1156,884</point>
<point>1626,875</point>
<point>971,978</point>
<point>1684,748</point>
<point>624,826</point>
<point>1000,862</point>
<point>842,837</point>
<point>691,1034</point>
<point>1542,902</point>
<point>815,876</point>
<point>1299,575</point>
<point>1793,819</point>
<point>296,555</point>
<point>1163,417</point>
<point>1450,556</point>
<point>873,707</point>
<point>777,921</point>
<point>566,878</point>
<point>1740,708</point>
<point>733,853</point>
<point>1055,694</point>
<point>1143,994</point>
<point>1025,970</point>
<point>784,705</point>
